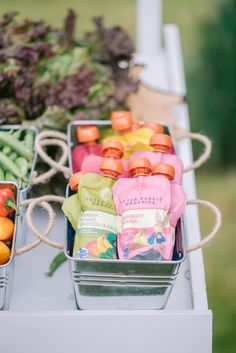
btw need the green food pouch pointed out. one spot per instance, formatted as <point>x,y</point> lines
<point>97,227</point>
<point>72,209</point>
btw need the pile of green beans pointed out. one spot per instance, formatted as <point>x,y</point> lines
<point>16,155</point>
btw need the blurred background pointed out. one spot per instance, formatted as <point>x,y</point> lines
<point>208,34</point>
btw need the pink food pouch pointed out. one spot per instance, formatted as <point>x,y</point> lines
<point>86,136</point>
<point>110,149</point>
<point>142,202</point>
<point>162,148</point>
<point>178,196</point>
<point>178,203</point>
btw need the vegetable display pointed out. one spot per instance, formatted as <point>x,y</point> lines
<point>16,155</point>
<point>8,210</point>
<point>48,76</point>
<point>7,202</point>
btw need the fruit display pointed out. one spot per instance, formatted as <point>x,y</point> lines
<point>8,212</point>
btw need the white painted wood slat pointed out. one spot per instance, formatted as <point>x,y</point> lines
<point>148,27</point>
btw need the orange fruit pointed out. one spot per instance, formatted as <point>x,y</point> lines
<point>6,229</point>
<point>5,253</point>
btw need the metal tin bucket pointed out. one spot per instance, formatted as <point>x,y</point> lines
<point>6,270</point>
<point>23,193</point>
<point>115,284</point>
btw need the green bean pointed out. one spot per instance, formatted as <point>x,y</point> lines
<point>29,139</point>
<point>17,133</point>
<point>2,178</point>
<point>10,177</point>
<point>22,165</point>
<point>6,150</point>
<point>58,260</point>
<point>17,146</point>
<point>13,156</point>
<point>8,165</point>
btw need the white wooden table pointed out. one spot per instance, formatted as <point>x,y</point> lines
<point>42,314</point>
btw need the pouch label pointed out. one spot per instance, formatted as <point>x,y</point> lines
<point>94,220</point>
<point>145,218</point>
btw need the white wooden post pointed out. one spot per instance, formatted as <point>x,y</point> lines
<point>148,26</point>
<point>174,58</point>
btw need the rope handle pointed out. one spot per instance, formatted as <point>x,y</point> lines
<point>43,202</point>
<point>51,138</point>
<point>196,137</point>
<point>51,220</point>
<point>217,225</point>
<point>51,216</point>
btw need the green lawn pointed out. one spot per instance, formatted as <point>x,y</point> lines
<point>54,11</point>
<point>220,187</point>
<point>213,185</point>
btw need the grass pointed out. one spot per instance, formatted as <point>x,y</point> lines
<point>187,15</point>
<point>53,11</point>
<point>219,187</point>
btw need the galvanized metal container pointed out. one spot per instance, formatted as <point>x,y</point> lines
<point>115,284</point>
<point>23,193</point>
<point>6,270</point>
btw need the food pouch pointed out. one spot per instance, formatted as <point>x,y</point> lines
<point>178,203</point>
<point>87,136</point>
<point>110,149</point>
<point>178,196</point>
<point>142,204</point>
<point>154,126</point>
<point>132,140</point>
<point>162,146</point>
<point>71,206</point>
<point>97,226</point>
<point>91,164</point>
<point>72,209</point>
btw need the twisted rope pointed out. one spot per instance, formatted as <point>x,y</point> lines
<point>216,227</point>
<point>180,135</point>
<point>43,178</point>
<point>49,138</point>
<point>51,220</point>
